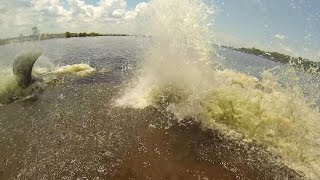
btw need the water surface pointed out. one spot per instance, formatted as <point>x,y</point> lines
<point>74,130</point>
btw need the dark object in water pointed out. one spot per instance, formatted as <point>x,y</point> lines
<point>22,67</point>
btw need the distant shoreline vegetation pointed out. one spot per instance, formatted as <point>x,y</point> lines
<point>92,34</point>
<point>296,62</point>
<point>299,63</point>
<point>36,36</point>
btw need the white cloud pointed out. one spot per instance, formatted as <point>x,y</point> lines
<point>133,13</point>
<point>53,16</point>
<point>107,7</point>
<point>118,13</point>
<point>79,8</point>
<point>51,8</point>
<point>280,36</point>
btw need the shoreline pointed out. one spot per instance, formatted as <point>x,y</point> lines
<point>47,36</point>
<point>306,65</point>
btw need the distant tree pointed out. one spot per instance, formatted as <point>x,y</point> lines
<point>35,32</point>
<point>68,35</point>
<point>84,34</point>
<point>94,34</point>
<point>21,36</point>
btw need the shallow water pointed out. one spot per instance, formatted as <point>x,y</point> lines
<point>73,130</point>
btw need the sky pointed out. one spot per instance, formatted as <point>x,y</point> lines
<point>287,26</point>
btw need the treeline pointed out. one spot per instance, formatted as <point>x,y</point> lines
<point>45,36</point>
<point>92,34</point>
<point>297,62</point>
<point>51,36</point>
<point>23,38</point>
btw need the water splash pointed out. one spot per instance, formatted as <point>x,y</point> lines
<point>177,53</point>
<point>178,75</point>
<point>10,91</point>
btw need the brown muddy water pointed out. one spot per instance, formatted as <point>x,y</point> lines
<point>73,131</point>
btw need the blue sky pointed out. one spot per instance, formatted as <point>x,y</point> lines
<point>258,22</point>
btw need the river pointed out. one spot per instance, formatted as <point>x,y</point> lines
<point>76,129</point>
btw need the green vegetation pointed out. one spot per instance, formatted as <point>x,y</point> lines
<point>51,36</point>
<point>36,36</point>
<point>92,34</point>
<point>166,95</point>
<point>296,62</point>
<point>84,34</point>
